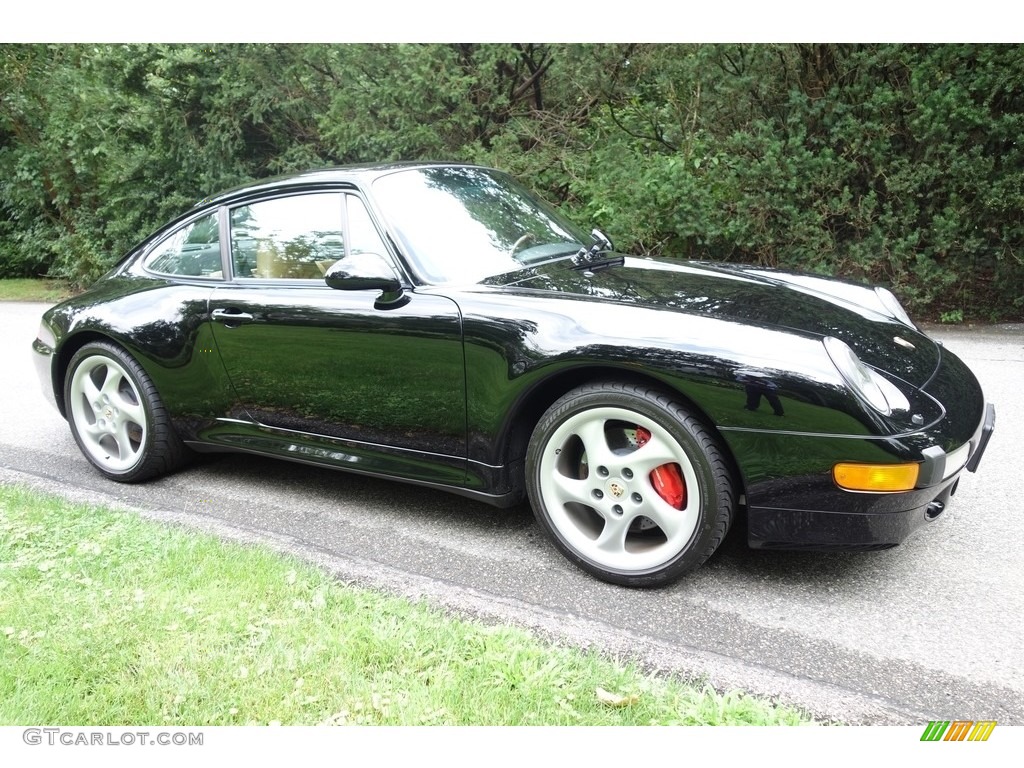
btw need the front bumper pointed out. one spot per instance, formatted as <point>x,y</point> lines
<point>869,521</point>
<point>42,357</point>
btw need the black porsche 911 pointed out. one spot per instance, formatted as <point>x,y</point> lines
<point>438,324</point>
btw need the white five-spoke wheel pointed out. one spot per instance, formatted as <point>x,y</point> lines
<point>628,484</point>
<point>116,415</point>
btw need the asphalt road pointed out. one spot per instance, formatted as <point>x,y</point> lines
<point>929,630</point>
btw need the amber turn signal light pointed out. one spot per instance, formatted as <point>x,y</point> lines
<point>875,477</point>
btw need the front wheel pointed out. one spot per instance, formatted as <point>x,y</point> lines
<point>628,484</point>
<point>117,417</point>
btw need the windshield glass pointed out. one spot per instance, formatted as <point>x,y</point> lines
<point>464,224</point>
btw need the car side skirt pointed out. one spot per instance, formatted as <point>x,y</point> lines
<point>494,485</point>
<point>502,501</point>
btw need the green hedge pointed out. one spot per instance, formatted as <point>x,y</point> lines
<point>897,164</point>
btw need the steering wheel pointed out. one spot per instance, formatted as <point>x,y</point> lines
<point>515,246</point>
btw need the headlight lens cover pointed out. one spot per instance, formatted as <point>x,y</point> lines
<point>857,376</point>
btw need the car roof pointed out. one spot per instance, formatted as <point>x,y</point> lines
<point>341,174</point>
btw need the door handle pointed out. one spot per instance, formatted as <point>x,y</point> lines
<point>231,317</point>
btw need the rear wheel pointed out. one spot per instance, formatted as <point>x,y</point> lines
<point>628,484</point>
<point>117,417</point>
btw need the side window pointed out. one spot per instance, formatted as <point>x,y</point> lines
<point>295,237</point>
<point>363,236</point>
<point>192,251</point>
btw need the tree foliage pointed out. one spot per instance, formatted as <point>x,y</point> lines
<point>897,164</point>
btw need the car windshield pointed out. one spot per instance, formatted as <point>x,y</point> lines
<point>462,224</point>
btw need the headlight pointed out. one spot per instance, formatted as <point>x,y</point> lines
<point>876,390</point>
<point>893,307</point>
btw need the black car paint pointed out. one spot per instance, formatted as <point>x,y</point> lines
<point>474,366</point>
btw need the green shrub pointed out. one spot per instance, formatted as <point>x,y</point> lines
<point>897,164</point>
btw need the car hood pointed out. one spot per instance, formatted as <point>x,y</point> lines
<point>804,304</point>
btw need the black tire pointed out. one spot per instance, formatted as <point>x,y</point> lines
<point>117,416</point>
<point>592,467</point>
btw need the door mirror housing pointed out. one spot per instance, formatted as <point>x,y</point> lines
<point>363,272</point>
<point>367,272</point>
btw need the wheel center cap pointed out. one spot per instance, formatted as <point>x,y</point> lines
<point>616,488</point>
<point>108,413</point>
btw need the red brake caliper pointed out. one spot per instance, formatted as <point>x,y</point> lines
<point>666,479</point>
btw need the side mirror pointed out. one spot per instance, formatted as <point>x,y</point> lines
<point>363,272</point>
<point>367,272</point>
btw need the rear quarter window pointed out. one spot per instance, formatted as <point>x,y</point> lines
<point>190,251</point>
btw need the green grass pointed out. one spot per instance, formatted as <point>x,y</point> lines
<point>106,619</point>
<point>33,289</point>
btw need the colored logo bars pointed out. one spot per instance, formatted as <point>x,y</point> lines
<point>958,730</point>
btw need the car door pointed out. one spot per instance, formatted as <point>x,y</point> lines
<point>333,376</point>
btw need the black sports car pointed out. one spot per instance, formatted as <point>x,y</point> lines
<point>439,325</point>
